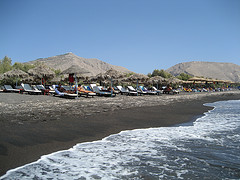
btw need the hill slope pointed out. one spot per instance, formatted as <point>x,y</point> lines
<point>223,71</point>
<point>94,66</point>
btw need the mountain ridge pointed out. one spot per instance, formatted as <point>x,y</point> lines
<point>215,70</point>
<point>93,65</point>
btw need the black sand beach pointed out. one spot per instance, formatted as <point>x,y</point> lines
<point>32,126</point>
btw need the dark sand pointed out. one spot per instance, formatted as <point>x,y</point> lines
<point>32,126</point>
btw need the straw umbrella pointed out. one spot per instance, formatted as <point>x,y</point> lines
<point>138,78</point>
<point>42,72</point>
<point>187,82</point>
<point>109,76</point>
<point>111,73</point>
<point>114,74</point>
<point>15,73</point>
<point>134,78</point>
<point>219,81</point>
<point>75,69</point>
<point>174,80</point>
<point>197,79</point>
<point>56,79</point>
<point>28,79</point>
<point>99,77</point>
<point>157,80</point>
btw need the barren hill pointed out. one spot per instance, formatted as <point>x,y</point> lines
<point>94,66</point>
<point>215,70</point>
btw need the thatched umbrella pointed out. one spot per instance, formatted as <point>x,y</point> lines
<point>197,79</point>
<point>174,80</point>
<point>99,77</point>
<point>28,79</point>
<point>114,74</point>
<point>138,77</point>
<point>156,80</point>
<point>42,72</point>
<point>187,82</point>
<point>229,82</point>
<point>75,69</point>
<point>15,73</point>
<point>109,75</point>
<point>219,81</point>
<point>198,82</point>
<point>56,79</point>
<point>134,78</point>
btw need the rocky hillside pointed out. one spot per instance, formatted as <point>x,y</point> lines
<point>94,66</point>
<point>215,70</point>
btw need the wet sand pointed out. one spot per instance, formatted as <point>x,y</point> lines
<point>35,125</point>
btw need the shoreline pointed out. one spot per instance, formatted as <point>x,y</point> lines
<point>32,126</point>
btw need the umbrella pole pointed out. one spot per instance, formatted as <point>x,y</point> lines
<point>76,84</point>
<point>137,87</point>
<point>43,81</point>
<point>111,87</point>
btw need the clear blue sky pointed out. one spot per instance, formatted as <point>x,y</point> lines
<point>141,35</point>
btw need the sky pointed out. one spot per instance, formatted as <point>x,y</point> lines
<point>141,35</point>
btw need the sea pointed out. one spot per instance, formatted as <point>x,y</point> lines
<point>207,148</point>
